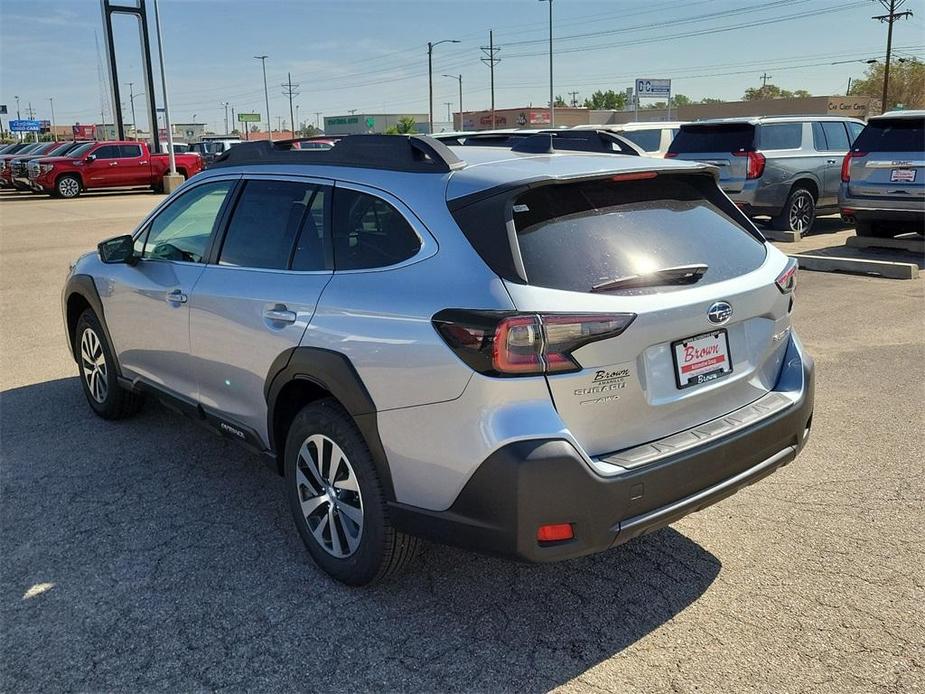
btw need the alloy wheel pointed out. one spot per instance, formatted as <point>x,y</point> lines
<point>68,187</point>
<point>329,496</point>
<point>93,361</point>
<point>801,212</point>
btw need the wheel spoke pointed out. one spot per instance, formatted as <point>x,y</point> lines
<point>335,534</point>
<point>352,512</point>
<point>311,504</point>
<point>318,530</point>
<point>312,464</point>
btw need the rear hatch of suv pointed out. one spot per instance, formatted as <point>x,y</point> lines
<point>663,297</point>
<point>726,146</point>
<point>888,160</point>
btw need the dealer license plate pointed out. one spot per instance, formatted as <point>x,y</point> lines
<point>701,359</point>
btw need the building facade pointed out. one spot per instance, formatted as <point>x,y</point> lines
<point>372,123</point>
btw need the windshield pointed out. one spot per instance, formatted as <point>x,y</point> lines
<point>60,149</point>
<point>892,135</point>
<point>648,140</point>
<point>734,137</point>
<point>80,151</point>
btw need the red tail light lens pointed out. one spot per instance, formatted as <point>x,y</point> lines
<point>787,280</point>
<point>756,163</point>
<point>499,343</point>
<point>846,165</point>
<point>555,532</point>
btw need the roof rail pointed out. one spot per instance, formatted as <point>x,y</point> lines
<point>548,141</point>
<point>409,153</point>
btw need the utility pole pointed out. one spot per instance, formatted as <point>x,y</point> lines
<point>318,120</point>
<point>131,96</point>
<point>298,123</point>
<point>226,105</point>
<point>448,116</point>
<point>266,93</point>
<point>232,117</point>
<point>764,79</point>
<point>848,91</point>
<point>32,117</point>
<point>490,60</point>
<point>430,81</point>
<point>51,100</point>
<point>892,6</point>
<point>574,101</point>
<point>459,79</point>
<point>552,101</point>
<point>289,89</point>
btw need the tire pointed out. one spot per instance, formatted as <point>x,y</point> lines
<point>67,187</point>
<point>799,212</point>
<point>873,230</point>
<point>363,547</point>
<point>106,397</point>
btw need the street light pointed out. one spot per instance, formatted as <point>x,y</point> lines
<point>552,112</point>
<point>266,92</point>
<point>459,79</point>
<point>54,134</point>
<point>430,80</point>
<point>170,180</point>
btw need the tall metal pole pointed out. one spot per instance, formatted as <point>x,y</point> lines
<point>296,125</point>
<point>458,78</point>
<point>266,93</point>
<point>160,55</point>
<point>889,19</point>
<point>491,49</point>
<point>54,134</point>
<point>552,102</point>
<point>430,88</point>
<point>131,96</point>
<point>226,104</point>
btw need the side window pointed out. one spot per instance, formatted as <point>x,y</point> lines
<point>312,249</point>
<point>781,136</point>
<point>265,223</point>
<point>647,140</point>
<point>854,129</point>
<point>819,143</point>
<point>129,151</point>
<point>182,230</point>
<point>369,232</point>
<point>107,152</point>
<point>836,135</point>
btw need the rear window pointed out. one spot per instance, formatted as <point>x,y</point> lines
<point>739,137</point>
<point>892,135</point>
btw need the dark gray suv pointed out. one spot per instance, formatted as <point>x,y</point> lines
<point>784,167</point>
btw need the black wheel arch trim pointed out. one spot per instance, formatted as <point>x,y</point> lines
<point>335,373</point>
<point>85,287</point>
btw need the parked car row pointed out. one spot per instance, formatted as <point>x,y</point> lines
<point>66,169</point>
<point>789,168</point>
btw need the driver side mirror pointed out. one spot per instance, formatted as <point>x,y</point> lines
<point>119,249</point>
<point>90,157</point>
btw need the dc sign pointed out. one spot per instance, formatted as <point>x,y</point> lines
<point>653,89</point>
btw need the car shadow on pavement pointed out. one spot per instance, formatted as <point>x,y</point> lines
<point>150,555</point>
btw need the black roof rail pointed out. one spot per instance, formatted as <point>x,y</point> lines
<point>492,139</point>
<point>548,141</point>
<point>409,153</point>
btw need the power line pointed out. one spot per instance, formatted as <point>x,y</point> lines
<point>290,90</point>
<point>891,17</point>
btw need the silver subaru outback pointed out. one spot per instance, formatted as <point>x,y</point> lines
<point>533,353</point>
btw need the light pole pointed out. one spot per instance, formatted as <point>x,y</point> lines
<point>170,180</point>
<point>18,116</point>
<point>131,97</point>
<point>54,134</point>
<point>226,105</point>
<point>552,102</point>
<point>430,80</point>
<point>296,125</point>
<point>459,79</point>
<point>266,93</point>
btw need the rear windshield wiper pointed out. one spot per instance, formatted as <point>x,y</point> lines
<point>681,274</point>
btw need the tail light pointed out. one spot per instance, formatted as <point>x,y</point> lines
<point>787,280</point>
<point>846,165</point>
<point>503,343</point>
<point>755,163</point>
<point>670,155</point>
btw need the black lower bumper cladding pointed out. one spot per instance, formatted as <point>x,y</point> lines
<point>527,484</point>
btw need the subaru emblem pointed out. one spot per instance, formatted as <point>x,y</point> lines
<point>719,312</point>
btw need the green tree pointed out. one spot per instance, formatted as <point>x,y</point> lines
<point>606,101</point>
<point>772,91</point>
<point>710,100</point>
<point>681,100</point>
<point>907,83</point>
<point>405,126</point>
<point>560,102</point>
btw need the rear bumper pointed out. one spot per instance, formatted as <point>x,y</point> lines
<point>527,484</point>
<point>877,209</point>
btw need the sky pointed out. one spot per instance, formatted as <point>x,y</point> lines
<point>372,56</point>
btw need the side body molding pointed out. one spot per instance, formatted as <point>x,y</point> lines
<point>335,373</point>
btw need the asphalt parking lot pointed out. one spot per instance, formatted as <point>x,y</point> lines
<point>150,555</point>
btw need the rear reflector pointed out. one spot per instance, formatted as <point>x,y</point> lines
<point>555,533</point>
<point>787,280</point>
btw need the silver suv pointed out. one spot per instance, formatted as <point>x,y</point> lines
<point>540,355</point>
<point>785,167</point>
<point>883,176</point>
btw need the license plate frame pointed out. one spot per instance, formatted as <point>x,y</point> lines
<point>703,374</point>
<point>902,175</point>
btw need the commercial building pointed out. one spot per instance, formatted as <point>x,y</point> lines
<point>372,123</point>
<point>532,117</point>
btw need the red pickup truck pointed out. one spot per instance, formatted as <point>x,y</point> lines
<point>113,164</point>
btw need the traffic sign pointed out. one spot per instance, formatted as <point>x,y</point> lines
<point>248,117</point>
<point>26,126</point>
<point>653,89</point>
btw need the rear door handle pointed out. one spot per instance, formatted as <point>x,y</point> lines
<point>176,297</point>
<point>113,163</point>
<point>280,314</point>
